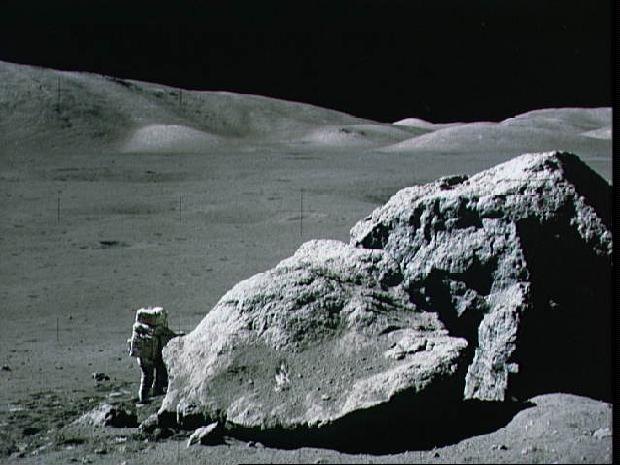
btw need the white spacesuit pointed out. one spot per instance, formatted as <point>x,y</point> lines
<point>149,336</point>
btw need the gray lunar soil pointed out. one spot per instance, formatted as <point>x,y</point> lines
<point>119,194</point>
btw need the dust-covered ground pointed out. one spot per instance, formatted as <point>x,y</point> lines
<point>91,232</point>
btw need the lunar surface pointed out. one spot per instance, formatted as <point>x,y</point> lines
<point>120,194</point>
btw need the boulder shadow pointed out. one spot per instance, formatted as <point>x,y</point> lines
<point>565,339</point>
<point>408,422</point>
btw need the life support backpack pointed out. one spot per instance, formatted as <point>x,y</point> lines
<point>150,324</point>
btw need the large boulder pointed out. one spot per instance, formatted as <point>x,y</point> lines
<point>326,333</point>
<point>516,259</point>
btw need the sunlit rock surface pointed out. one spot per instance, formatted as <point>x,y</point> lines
<point>517,259</point>
<point>325,333</point>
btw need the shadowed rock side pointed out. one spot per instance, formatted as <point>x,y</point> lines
<point>326,334</point>
<point>517,260</point>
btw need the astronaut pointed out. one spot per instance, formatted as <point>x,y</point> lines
<point>149,336</point>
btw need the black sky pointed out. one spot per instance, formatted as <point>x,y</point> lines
<point>384,60</point>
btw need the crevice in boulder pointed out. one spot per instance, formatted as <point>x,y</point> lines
<point>571,314</point>
<point>435,295</point>
<point>377,238</point>
<point>479,275</point>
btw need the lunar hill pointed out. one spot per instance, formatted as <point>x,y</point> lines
<point>46,110</point>
<point>513,137</point>
<point>46,107</point>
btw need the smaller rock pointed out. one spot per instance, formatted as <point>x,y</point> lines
<point>528,450</point>
<point>255,444</point>
<point>190,416</point>
<point>101,451</point>
<point>499,447</point>
<point>149,424</point>
<point>6,368</point>
<point>325,397</point>
<point>207,435</point>
<point>602,433</point>
<point>99,376</point>
<point>109,415</point>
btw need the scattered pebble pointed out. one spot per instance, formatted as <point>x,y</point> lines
<point>602,433</point>
<point>99,376</point>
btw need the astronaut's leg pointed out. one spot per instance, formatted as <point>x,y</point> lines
<point>161,377</point>
<point>146,380</point>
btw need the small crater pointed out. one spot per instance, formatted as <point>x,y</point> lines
<point>108,244</point>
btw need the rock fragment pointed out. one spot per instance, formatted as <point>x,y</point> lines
<point>206,435</point>
<point>602,433</point>
<point>110,415</point>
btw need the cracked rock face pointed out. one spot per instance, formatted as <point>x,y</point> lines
<point>327,332</point>
<point>516,259</point>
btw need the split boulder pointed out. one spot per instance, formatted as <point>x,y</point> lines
<point>516,259</point>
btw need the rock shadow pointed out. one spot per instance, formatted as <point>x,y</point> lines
<point>409,421</point>
<point>565,338</point>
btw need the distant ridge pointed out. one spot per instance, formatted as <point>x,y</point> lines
<point>47,108</point>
